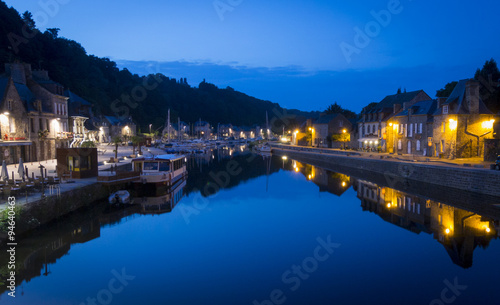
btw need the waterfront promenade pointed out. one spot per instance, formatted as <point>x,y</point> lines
<point>470,176</point>
<point>68,184</point>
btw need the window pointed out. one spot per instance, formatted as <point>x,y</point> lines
<point>406,130</point>
<point>400,129</point>
<point>12,125</point>
<point>341,123</point>
<point>418,209</point>
<point>443,127</point>
<point>150,166</point>
<point>40,122</point>
<point>445,109</point>
<point>9,105</point>
<point>48,125</point>
<point>442,146</point>
<point>420,128</point>
<point>418,145</point>
<point>411,131</point>
<point>32,123</point>
<point>400,144</point>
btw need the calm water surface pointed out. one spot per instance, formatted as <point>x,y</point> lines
<point>254,230</point>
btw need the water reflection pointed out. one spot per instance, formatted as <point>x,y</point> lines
<point>459,230</point>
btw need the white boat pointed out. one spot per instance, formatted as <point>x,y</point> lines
<point>158,173</point>
<point>120,197</point>
<point>265,148</point>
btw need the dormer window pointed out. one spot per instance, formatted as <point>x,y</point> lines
<point>445,109</point>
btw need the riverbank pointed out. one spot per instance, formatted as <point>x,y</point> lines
<point>34,210</point>
<point>464,175</point>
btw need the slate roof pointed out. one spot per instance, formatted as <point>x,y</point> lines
<point>73,98</point>
<point>457,101</point>
<point>390,100</point>
<point>325,119</point>
<point>421,108</point>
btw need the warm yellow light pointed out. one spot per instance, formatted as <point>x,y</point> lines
<point>296,131</point>
<point>447,231</point>
<point>453,124</point>
<point>344,131</point>
<point>284,157</point>
<point>488,230</point>
<point>376,142</point>
<point>488,124</point>
<point>6,113</point>
<point>344,184</point>
<point>390,124</point>
<point>310,128</point>
<point>296,169</point>
<point>389,205</point>
<point>3,119</point>
<point>309,177</point>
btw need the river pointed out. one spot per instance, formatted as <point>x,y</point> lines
<point>248,229</point>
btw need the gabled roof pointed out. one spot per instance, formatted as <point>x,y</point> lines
<point>112,120</point>
<point>389,101</point>
<point>73,98</point>
<point>457,101</point>
<point>325,119</point>
<point>421,108</point>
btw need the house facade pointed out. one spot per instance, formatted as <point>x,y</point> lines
<point>372,126</point>
<point>34,115</point>
<point>332,130</point>
<point>202,130</point>
<point>462,123</point>
<point>410,131</point>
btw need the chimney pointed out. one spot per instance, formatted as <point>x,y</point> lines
<point>19,72</point>
<point>41,74</point>
<point>472,96</point>
<point>396,108</point>
<point>441,101</point>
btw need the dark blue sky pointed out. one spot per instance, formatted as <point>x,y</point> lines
<point>301,54</point>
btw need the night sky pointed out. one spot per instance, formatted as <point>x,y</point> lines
<point>290,52</point>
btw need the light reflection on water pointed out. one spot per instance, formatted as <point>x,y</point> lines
<point>253,236</point>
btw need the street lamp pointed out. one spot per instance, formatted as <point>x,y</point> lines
<point>344,136</point>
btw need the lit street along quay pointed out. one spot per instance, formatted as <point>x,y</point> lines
<point>253,229</point>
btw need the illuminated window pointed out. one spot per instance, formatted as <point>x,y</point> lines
<point>400,144</point>
<point>442,146</point>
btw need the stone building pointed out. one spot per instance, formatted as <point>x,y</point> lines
<point>462,123</point>
<point>372,126</point>
<point>331,130</point>
<point>410,130</point>
<point>202,130</point>
<point>34,119</point>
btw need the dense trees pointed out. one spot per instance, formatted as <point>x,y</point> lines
<point>336,108</point>
<point>109,89</point>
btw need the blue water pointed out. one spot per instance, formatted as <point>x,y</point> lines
<point>246,245</point>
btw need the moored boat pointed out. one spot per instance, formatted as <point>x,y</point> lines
<point>158,173</point>
<point>119,197</point>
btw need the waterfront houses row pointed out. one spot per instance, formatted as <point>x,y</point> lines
<point>458,126</point>
<point>37,115</point>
